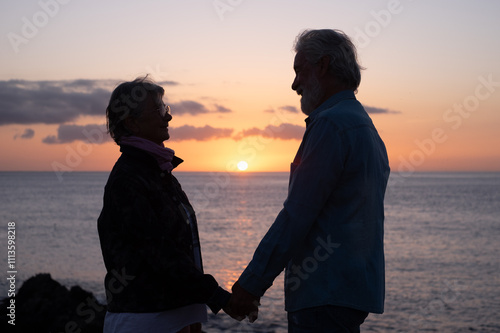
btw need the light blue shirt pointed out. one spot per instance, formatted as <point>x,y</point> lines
<point>329,234</point>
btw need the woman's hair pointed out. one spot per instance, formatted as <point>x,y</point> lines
<point>129,99</point>
<point>338,47</point>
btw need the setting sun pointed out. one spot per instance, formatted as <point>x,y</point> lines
<point>242,165</point>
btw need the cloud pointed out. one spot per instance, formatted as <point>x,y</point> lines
<point>369,109</point>
<point>189,107</point>
<point>97,134</point>
<point>92,133</point>
<point>64,101</point>
<point>287,108</point>
<point>282,131</point>
<point>51,102</point>
<point>375,110</point>
<point>195,108</point>
<point>28,134</point>
<point>168,83</point>
<point>222,109</point>
<point>205,133</point>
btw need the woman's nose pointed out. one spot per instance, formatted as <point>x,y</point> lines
<point>294,83</point>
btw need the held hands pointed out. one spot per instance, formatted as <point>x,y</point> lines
<point>242,304</point>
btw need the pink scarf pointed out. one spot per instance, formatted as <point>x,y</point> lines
<point>162,154</point>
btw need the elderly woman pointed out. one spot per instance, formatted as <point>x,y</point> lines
<point>147,227</point>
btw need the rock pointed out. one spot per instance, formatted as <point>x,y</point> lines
<point>44,305</point>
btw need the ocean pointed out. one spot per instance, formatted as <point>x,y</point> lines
<point>442,245</point>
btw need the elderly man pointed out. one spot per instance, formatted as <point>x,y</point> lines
<point>329,234</point>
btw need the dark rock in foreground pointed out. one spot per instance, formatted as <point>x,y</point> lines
<point>44,305</point>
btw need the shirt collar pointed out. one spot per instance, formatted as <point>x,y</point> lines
<point>330,102</point>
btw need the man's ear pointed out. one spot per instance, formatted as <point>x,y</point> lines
<point>324,64</point>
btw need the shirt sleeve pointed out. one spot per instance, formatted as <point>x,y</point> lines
<point>314,174</point>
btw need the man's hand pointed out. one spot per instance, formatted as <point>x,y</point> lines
<point>242,304</point>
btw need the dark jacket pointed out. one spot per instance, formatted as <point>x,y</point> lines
<point>147,242</point>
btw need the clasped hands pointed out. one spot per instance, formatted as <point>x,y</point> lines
<point>242,304</point>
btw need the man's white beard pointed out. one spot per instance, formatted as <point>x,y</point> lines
<point>311,96</point>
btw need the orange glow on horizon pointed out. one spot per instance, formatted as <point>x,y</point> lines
<point>413,151</point>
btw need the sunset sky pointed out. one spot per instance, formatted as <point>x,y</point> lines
<point>431,84</point>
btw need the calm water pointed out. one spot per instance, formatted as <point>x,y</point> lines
<point>442,242</point>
